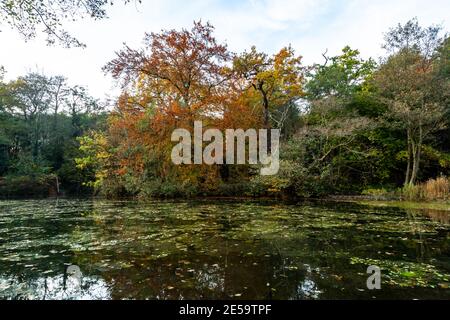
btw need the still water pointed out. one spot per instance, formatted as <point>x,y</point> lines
<point>209,249</point>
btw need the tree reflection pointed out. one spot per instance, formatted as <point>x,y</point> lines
<point>205,249</point>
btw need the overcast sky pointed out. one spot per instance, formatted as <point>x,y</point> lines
<point>310,26</point>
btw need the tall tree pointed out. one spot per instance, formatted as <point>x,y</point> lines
<point>278,80</point>
<point>175,67</point>
<point>339,76</point>
<point>408,85</point>
<point>40,119</point>
<point>177,78</point>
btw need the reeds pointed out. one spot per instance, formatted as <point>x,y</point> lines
<point>433,189</point>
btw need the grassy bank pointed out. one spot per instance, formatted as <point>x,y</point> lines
<point>433,205</point>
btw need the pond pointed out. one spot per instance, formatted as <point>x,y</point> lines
<point>219,249</point>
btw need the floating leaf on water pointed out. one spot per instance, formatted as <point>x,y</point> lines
<point>292,237</point>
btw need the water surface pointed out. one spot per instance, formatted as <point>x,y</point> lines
<point>208,249</point>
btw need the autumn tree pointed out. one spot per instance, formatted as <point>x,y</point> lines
<point>276,80</point>
<point>346,121</point>
<point>177,78</point>
<point>175,67</point>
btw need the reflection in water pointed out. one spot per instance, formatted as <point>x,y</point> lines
<point>440,216</point>
<point>308,289</point>
<point>54,288</point>
<point>217,250</point>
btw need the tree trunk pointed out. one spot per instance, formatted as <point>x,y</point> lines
<point>55,114</point>
<point>414,168</point>
<point>57,186</point>
<point>417,155</point>
<point>408,167</point>
<point>267,121</point>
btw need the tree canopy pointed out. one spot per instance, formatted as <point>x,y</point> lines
<point>348,124</point>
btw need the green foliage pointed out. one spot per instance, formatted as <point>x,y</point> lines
<point>377,194</point>
<point>40,119</point>
<point>340,75</point>
<point>406,274</point>
<point>237,189</point>
<point>27,186</point>
<point>161,189</point>
<point>27,165</point>
<point>411,193</point>
<point>28,176</point>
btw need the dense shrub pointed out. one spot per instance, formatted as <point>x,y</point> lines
<point>28,186</point>
<point>377,194</point>
<point>234,189</point>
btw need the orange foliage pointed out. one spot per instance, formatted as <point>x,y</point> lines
<point>180,77</point>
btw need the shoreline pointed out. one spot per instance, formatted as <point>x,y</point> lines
<point>356,199</point>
